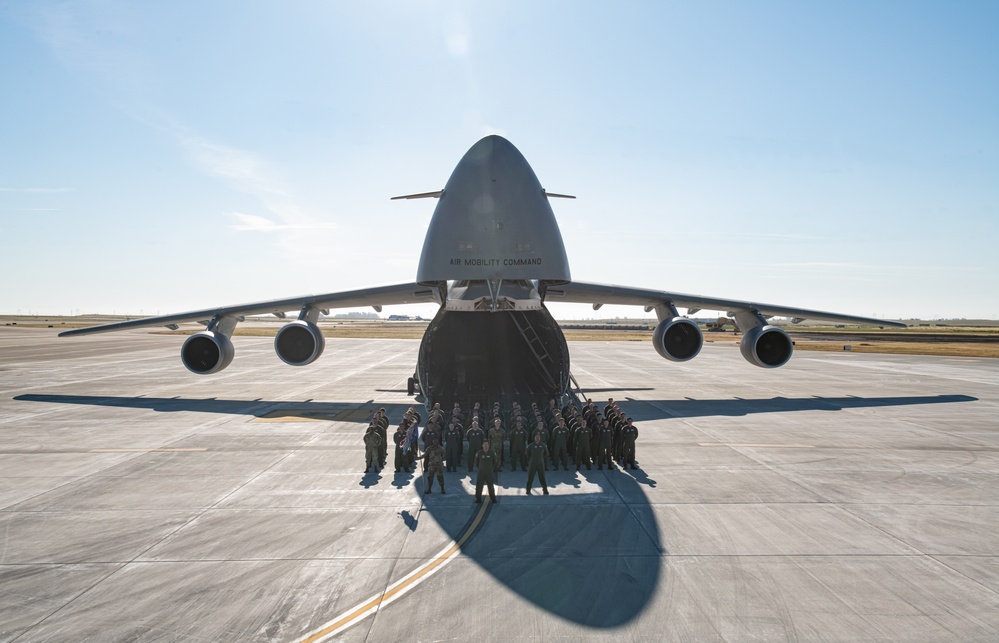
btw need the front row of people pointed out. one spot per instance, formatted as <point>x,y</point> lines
<point>486,463</point>
<point>571,436</point>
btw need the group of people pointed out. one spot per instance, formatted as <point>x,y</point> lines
<point>376,441</point>
<point>536,437</point>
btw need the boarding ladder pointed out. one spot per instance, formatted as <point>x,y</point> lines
<point>534,342</point>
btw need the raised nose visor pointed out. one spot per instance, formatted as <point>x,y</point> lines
<point>493,221</point>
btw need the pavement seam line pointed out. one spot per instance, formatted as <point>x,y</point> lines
<point>400,587</point>
<point>395,563</point>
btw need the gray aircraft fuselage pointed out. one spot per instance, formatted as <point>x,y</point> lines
<point>492,246</point>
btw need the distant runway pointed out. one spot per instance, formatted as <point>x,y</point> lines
<point>841,497</point>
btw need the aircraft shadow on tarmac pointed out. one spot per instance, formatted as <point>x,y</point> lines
<point>689,407</point>
<point>583,556</point>
<point>589,553</point>
<point>259,408</point>
<point>360,411</point>
<point>587,391</point>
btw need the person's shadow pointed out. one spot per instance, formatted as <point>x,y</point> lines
<point>370,479</point>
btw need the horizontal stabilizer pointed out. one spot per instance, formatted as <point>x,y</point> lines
<point>436,194</point>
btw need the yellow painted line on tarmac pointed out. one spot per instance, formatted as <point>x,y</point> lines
<point>747,444</point>
<point>309,415</point>
<point>178,450</point>
<point>293,415</point>
<point>397,589</point>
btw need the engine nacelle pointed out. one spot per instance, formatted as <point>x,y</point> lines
<point>299,343</point>
<point>766,346</point>
<point>207,352</point>
<point>677,339</point>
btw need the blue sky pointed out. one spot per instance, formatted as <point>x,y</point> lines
<point>159,157</point>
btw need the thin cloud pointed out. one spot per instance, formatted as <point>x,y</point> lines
<point>776,236</point>
<point>872,268</point>
<point>257,223</point>
<point>244,170</point>
<point>68,29</point>
<point>116,63</point>
<point>36,190</point>
<point>300,232</point>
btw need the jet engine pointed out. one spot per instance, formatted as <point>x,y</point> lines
<point>299,343</point>
<point>677,339</point>
<point>766,346</point>
<point>207,352</point>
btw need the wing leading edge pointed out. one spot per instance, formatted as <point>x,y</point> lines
<point>411,293</point>
<point>578,292</point>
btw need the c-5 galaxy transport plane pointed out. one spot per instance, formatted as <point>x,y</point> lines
<point>493,257</point>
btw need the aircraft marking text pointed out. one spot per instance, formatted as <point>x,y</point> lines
<point>531,261</point>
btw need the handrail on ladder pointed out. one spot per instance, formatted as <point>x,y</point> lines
<point>530,343</point>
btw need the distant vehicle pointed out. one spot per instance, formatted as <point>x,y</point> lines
<point>492,259</point>
<point>718,326</point>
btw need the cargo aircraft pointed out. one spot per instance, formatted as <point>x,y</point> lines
<point>492,260</point>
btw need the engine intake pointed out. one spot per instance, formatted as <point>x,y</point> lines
<point>677,339</point>
<point>207,352</point>
<point>299,343</point>
<point>766,346</point>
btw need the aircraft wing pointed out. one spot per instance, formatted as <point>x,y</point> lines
<point>578,292</point>
<point>376,297</point>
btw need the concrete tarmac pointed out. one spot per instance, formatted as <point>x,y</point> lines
<point>841,497</point>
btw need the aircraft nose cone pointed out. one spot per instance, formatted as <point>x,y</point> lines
<point>488,147</point>
<point>493,221</point>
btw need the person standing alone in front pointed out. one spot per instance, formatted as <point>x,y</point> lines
<point>537,456</point>
<point>486,463</point>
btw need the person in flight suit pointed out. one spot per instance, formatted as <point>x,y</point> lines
<point>518,444</point>
<point>486,462</point>
<point>617,422</point>
<point>399,440</point>
<point>453,441</point>
<point>432,434</point>
<point>605,439</point>
<point>475,438</point>
<point>381,426</point>
<point>372,445</point>
<point>381,418</point>
<point>457,421</point>
<point>629,433</point>
<point>496,437</point>
<point>433,464</point>
<point>543,432</point>
<point>583,434</point>
<point>537,459</point>
<point>560,440</point>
